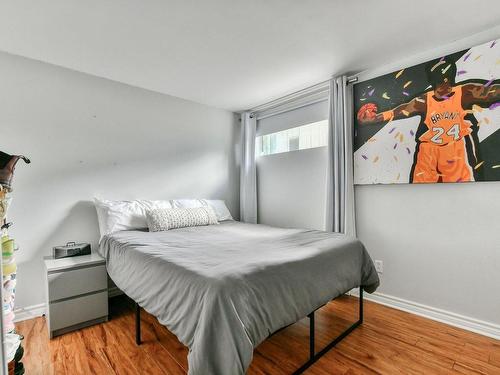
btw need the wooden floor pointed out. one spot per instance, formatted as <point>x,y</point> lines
<point>389,342</point>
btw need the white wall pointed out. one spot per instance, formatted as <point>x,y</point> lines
<point>89,137</point>
<point>440,243</point>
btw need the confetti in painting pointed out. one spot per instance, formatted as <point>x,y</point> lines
<point>434,122</point>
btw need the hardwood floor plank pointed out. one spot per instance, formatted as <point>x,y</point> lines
<point>120,363</point>
<point>152,345</point>
<point>96,361</point>
<point>163,358</point>
<point>389,342</point>
<point>475,370</point>
<point>168,340</point>
<point>410,357</point>
<point>59,368</point>
<point>75,355</point>
<point>136,355</point>
<point>337,363</point>
<point>365,338</point>
<point>476,366</point>
<point>35,347</point>
<point>494,359</point>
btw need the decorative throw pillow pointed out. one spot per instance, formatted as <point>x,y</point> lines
<point>218,205</point>
<point>171,218</point>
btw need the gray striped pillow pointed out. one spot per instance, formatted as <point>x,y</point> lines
<point>163,219</point>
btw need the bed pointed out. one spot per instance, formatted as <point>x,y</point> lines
<point>223,289</point>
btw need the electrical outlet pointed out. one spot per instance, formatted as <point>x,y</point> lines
<point>379,266</point>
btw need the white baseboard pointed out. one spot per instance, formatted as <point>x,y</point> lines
<point>114,291</point>
<point>29,312</point>
<point>461,321</point>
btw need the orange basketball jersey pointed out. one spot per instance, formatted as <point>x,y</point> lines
<point>445,119</point>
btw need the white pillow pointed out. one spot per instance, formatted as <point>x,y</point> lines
<point>163,219</point>
<point>115,216</point>
<point>220,209</point>
<point>186,203</point>
<point>218,205</point>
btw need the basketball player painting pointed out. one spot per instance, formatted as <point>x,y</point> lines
<point>441,154</point>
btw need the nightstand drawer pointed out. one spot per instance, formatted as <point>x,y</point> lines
<point>78,310</point>
<point>75,282</point>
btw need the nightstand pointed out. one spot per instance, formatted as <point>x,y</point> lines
<point>77,293</point>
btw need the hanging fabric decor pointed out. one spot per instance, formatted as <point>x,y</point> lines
<point>7,167</point>
<point>13,348</point>
<point>9,269</point>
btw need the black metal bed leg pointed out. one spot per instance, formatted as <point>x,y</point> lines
<point>361,305</point>
<point>137,324</point>
<point>312,349</point>
<point>313,356</point>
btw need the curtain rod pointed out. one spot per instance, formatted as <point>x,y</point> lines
<point>314,89</point>
<point>288,109</point>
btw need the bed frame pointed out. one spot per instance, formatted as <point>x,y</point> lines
<point>313,355</point>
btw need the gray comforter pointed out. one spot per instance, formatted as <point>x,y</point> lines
<point>223,289</point>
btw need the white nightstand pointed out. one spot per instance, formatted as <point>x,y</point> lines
<point>77,293</point>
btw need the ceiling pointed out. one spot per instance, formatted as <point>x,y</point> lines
<point>232,54</point>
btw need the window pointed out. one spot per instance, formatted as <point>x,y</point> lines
<point>300,138</point>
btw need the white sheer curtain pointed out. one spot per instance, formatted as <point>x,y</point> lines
<point>340,189</point>
<point>248,178</point>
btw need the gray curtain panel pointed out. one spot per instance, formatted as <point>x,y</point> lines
<point>248,177</point>
<point>340,189</point>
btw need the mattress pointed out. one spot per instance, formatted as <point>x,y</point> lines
<point>223,289</point>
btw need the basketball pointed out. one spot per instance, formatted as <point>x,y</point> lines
<point>367,112</point>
